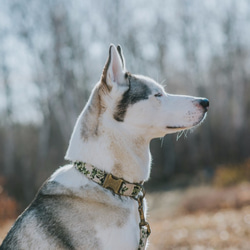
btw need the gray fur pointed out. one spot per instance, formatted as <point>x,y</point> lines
<point>57,213</point>
<point>44,210</point>
<point>136,92</point>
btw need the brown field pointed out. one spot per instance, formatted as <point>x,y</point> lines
<point>205,229</point>
<point>195,219</point>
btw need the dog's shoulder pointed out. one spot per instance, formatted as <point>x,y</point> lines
<point>65,212</point>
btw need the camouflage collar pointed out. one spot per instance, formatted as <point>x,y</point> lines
<point>109,181</point>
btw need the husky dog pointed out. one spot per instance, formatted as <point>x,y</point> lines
<point>111,136</point>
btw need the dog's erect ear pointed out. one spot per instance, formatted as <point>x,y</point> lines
<point>113,72</point>
<point>119,49</point>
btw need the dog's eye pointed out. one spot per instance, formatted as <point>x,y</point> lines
<point>158,95</point>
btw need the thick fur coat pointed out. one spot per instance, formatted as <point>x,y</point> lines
<point>124,112</point>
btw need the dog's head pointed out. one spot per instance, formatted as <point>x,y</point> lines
<point>131,105</point>
<point>141,104</point>
<point>124,112</point>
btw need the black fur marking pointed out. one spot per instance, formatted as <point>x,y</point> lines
<point>119,49</point>
<point>50,221</point>
<point>11,240</point>
<point>137,91</point>
<point>127,75</point>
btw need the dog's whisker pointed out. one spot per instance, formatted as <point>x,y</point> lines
<point>182,132</point>
<point>179,135</point>
<point>186,133</point>
<point>163,82</point>
<point>162,141</point>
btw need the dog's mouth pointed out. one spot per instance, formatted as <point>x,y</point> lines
<point>188,127</point>
<point>198,121</point>
<point>176,127</point>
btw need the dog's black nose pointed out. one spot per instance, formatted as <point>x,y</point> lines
<point>204,103</point>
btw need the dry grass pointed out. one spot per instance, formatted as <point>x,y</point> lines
<point>209,226</point>
<point>213,199</point>
<point>232,174</point>
<point>225,229</point>
<point>200,219</point>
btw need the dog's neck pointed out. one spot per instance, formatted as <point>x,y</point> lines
<point>123,155</point>
<point>109,145</point>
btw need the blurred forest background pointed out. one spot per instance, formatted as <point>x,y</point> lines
<point>52,54</point>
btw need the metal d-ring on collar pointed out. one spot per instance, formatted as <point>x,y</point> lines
<point>144,226</point>
<point>143,221</point>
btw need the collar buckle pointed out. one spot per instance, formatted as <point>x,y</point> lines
<point>113,183</point>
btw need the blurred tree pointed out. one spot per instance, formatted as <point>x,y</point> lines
<point>8,148</point>
<point>197,48</point>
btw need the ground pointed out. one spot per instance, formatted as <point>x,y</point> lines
<point>206,228</point>
<point>203,230</point>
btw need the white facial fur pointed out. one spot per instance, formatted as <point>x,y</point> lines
<point>163,113</point>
